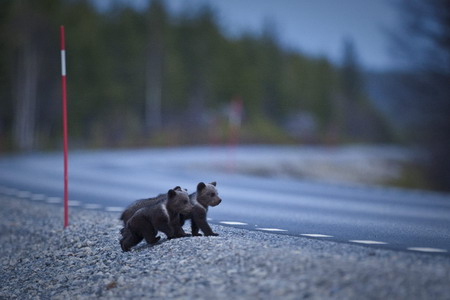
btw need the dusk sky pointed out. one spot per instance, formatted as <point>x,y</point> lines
<point>315,27</point>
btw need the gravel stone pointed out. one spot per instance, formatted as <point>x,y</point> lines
<point>40,259</point>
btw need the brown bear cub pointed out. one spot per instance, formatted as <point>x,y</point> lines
<point>205,196</point>
<point>147,221</point>
<point>136,205</point>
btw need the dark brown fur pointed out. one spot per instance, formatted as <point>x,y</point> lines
<point>205,196</point>
<point>161,216</point>
<point>138,204</point>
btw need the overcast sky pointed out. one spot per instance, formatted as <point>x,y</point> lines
<point>315,27</point>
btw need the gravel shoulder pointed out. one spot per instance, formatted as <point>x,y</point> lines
<point>39,259</point>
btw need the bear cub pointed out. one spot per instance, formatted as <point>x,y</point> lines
<point>136,205</point>
<point>205,196</point>
<point>161,216</point>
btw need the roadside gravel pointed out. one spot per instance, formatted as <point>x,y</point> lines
<point>39,259</point>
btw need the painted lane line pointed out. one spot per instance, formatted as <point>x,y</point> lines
<point>92,206</point>
<point>38,197</point>
<point>271,229</point>
<point>425,249</point>
<point>316,235</point>
<point>74,203</point>
<point>54,200</point>
<point>232,223</point>
<point>115,208</point>
<point>368,242</point>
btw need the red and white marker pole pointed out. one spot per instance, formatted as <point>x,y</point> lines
<point>235,120</point>
<point>64,113</point>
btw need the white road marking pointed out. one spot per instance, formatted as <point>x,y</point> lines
<point>92,206</point>
<point>316,235</point>
<point>368,242</point>
<point>271,229</point>
<point>232,223</point>
<point>114,208</point>
<point>38,197</point>
<point>53,200</point>
<point>425,249</point>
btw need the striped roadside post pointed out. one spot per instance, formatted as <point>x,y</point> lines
<point>64,113</point>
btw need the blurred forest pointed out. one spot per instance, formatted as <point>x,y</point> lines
<point>419,95</point>
<point>147,77</point>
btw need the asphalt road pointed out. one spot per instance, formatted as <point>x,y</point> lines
<point>110,180</point>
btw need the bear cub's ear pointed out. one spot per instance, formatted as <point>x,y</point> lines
<point>201,186</point>
<point>171,193</point>
<point>177,188</point>
<point>213,183</point>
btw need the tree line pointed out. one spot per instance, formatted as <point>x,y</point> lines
<point>420,92</point>
<point>149,77</point>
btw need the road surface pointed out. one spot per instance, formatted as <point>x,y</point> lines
<point>110,180</point>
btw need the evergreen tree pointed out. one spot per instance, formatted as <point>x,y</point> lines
<point>157,29</point>
<point>423,44</point>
